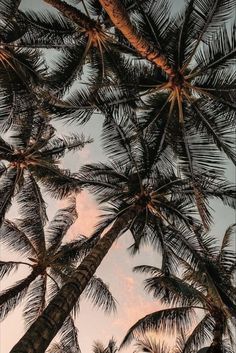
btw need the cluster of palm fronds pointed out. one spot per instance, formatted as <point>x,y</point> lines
<point>164,86</point>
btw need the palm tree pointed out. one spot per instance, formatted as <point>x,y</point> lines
<point>81,37</point>
<point>145,200</point>
<point>51,261</point>
<point>207,286</point>
<point>20,68</point>
<point>34,153</point>
<point>196,97</point>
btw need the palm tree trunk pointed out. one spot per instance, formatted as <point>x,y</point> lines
<point>42,331</point>
<point>72,14</point>
<point>13,291</point>
<point>120,19</point>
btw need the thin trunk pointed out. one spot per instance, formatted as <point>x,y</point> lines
<point>43,330</point>
<point>120,19</point>
<point>72,14</point>
<point>11,292</point>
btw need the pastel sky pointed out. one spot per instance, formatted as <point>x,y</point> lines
<point>116,269</point>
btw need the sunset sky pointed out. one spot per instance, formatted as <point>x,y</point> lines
<point>116,269</point>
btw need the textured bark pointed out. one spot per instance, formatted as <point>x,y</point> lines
<point>42,331</point>
<point>72,14</point>
<point>120,19</point>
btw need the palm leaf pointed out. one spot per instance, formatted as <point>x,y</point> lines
<point>35,301</point>
<point>11,297</point>
<point>15,239</point>
<point>167,320</point>
<point>60,224</point>
<point>99,293</point>
<point>31,207</point>
<point>199,335</point>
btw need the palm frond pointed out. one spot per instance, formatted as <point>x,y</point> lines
<point>167,320</point>
<point>199,335</point>
<point>149,344</point>
<point>11,297</point>
<point>99,293</point>
<point>6,267</point>
<point>8,186</point>
<point>15,239</point>
<point>31,208</point>
<point>58,182</point>
<point>172,290</point>
<point>226,256</point>
<point>69,335</point>
<point>57,146</point>
<point>35,301</point>
<point>60,224</point>
<point>46,28</point>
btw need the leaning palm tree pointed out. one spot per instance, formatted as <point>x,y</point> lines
<point>34,152</point>
<point>81,37</point>
<point>50,259</point>
<point>197,53</point>
<point>147,198</point>
<point>207,286</point>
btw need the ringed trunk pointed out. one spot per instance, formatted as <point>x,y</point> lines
<point>43,330</point>
<point>72,13</point>
<point>120,19</point>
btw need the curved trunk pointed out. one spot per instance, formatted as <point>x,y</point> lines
<point>120,19</point>
<point>13,291</point>
<point>42,331</point>
<point>72,13</point>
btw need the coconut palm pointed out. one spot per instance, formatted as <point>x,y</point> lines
<point>21,69</point>
<point>207,286</point>
<point>34,152</point>
<point>50,259</point>
<point>197,53</point>
<point>79,34</point>
<point>146,197</point>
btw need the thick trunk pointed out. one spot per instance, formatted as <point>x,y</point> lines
<point>42,331</point>
<point>72,14</point>
<point>120,19</point>
<point>11,292</point>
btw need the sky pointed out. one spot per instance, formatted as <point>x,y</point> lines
<point>116,269</point>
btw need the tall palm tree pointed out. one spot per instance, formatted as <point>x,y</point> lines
<point>50,259</point>
<point>20,68</point>
<point>81,37</point>
<point>146,201</point>
<point>207,286</point>
<point>34,153</point>
<point>197,97</point>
